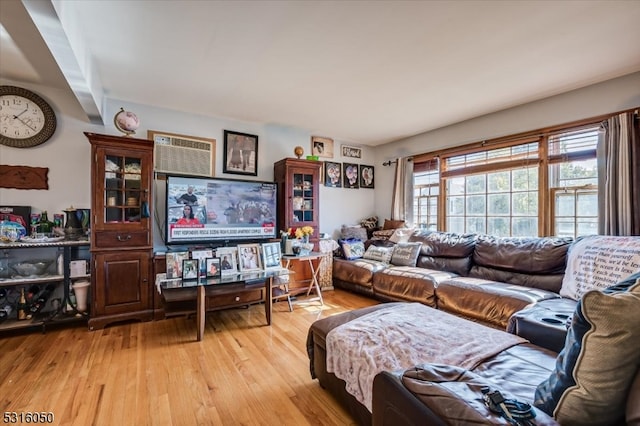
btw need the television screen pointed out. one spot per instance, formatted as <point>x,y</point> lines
<point>205,210</point>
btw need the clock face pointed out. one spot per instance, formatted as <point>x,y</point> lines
<point>25,118</point>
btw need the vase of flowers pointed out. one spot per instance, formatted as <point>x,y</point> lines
<point>302,246</point>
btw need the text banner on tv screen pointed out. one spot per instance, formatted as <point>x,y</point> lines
<point>213,209</point>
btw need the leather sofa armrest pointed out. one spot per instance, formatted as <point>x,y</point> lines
<point>436,395</point>
<point>394,405</point>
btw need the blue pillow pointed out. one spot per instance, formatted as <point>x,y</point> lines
<point>594,371</point>
<point>352,248</point>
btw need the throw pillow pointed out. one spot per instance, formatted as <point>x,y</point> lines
<point>597,262</point>
<point>392,224</point>
<point>401,235</point>
<point>381,254</point>
<point>594,371</point>
<point>383,235</point>
<point>370,222</point>
<point>352,248</point>
<point>357,232</point>
<point>405,254</point>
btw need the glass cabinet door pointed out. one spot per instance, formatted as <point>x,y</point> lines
<point>124,188</point>
<point>303,200</point>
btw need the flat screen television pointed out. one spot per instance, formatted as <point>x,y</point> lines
<point>209,210</point>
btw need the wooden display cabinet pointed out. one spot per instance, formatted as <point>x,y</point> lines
<point>121,234</point>
<point>298,204</point>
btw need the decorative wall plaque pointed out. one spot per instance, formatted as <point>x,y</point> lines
<point>24,177</point>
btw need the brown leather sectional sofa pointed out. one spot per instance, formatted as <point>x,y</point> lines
<point>482,278</point>
<point>507,283</point>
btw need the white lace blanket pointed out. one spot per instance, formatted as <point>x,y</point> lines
<point>404,336</point>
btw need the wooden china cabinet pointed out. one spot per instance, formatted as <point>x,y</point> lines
<point>298,194</point>
<point>121,234</point>
<point>298,205</point>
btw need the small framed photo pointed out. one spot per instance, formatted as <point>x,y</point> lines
<point>213,267</point>
<point>190,269</point>
<point>332,174</point>
<point>249,257</point>
<point>201,255</point>
<point>350,176</point>
<point>351,151</point>
<point>366,176</point>
<point>322,147</point>
<point>228,260</point>
<point>240,153</point>
<point>174,263</point>
<point>271,256</point>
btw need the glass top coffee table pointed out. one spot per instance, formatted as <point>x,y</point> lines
<point>225,285</point>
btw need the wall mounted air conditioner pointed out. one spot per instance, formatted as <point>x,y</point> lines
<point>180,154</point>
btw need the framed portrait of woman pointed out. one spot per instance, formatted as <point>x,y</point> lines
<point>249,257</point>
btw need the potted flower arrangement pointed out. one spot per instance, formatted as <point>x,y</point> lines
<point>301,245</point>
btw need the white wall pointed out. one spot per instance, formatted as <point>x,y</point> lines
<point>603,98</point>
<point>67,155</point>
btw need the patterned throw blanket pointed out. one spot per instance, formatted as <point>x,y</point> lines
<point>404,336</point>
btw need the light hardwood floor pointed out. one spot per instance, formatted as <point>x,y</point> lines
<point>155,373</point>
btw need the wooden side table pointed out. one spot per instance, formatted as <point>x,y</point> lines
<point>315,269</point>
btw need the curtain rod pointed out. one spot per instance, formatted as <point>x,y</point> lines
<point>390,162</point>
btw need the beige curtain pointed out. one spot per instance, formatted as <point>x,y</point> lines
<point>402,201</point>
<point>619,175</point>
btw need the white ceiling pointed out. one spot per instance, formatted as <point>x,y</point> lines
<point>366,72</point>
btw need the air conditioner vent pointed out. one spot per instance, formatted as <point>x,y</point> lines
<point>183,154</point>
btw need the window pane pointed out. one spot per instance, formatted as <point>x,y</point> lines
<point>455,224</point>
<point>587,226</point>
<point>577,173</point>
<point>498,204</point>
<point>565,204</point>
<point>498,226</point>
<point>525,203</point>
<point>456,205</point>
<point>455,186</point>
<point>475,225</point>
<point>524,179</point>
<point>565,227</point>
<point>476,205</point>
<point>475,184</point>
<point>587,204</point>
<point>524,227</point>
<point>499,182</point>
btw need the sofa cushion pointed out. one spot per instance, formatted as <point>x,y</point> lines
<point>383,234</point>
<point>445,251</point>
<point>408,284</point>
<point>595,370</point>
<point>530,262</point>
<point>490,302</point>
<point>405,254</point>
<point>401,235</point>
<point>381,254</point>
<point>597,262</point>
<point>352,248</point>
<point>358,271</point>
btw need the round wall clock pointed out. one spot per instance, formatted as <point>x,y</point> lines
<point>26,119</point>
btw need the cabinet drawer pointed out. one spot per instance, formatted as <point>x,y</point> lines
<point>235,298</point>
<point>121,238</point>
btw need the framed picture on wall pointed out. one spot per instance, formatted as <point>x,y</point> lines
<point>350,175</point>
<point>351,151</point>
<point>332,174</point>
<point>240,153</point>
<point>366,176</point>
<point>322,147</point>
